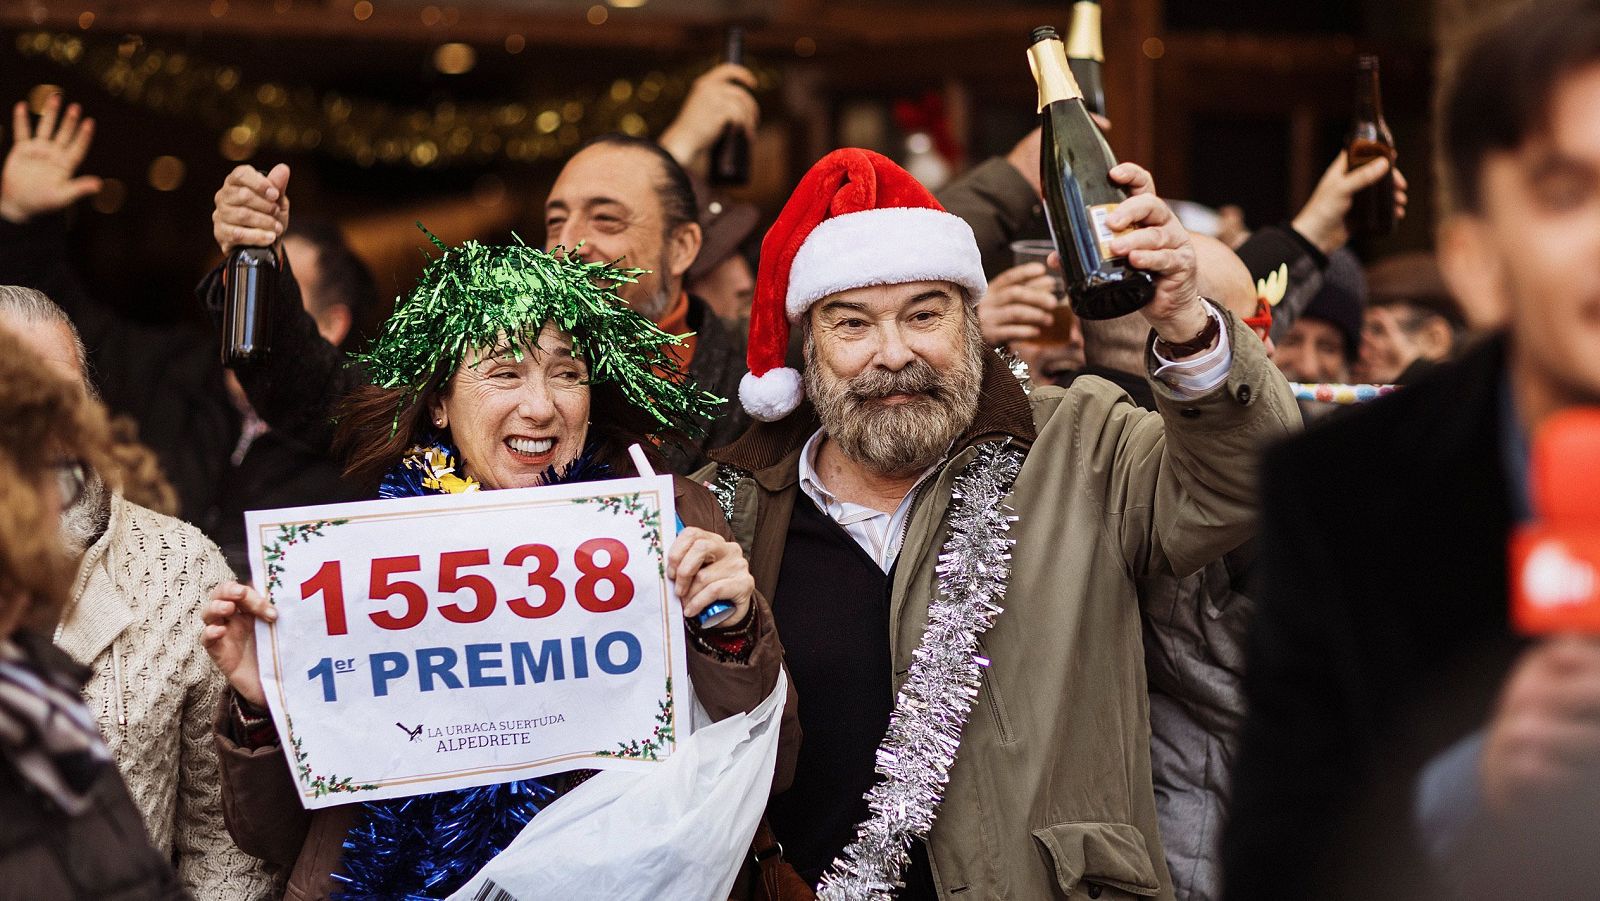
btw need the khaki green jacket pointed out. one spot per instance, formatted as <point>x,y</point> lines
<point>1051,794</point>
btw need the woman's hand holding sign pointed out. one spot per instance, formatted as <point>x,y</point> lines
<point>230,636</point>
<point>706,567</point>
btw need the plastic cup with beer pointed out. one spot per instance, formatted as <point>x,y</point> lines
<point>1038,251</point>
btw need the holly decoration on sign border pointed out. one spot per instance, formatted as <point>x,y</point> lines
<point>633,506</point>
<point>289,536</point>
<point>320,785</point>
<point>661,737</point>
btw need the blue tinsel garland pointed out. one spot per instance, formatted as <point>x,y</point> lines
<point>425,847</point>
<point>405,478</point>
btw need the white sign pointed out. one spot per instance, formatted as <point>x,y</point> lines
<point>434,643</point>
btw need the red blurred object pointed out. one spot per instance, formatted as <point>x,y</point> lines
<point>1555,561</point>
<point>1564,469</point>
<point>1261,322</point>
<point>930,115</point>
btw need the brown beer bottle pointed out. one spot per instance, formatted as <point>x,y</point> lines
<point>249,280</point>
<point>730,156</point>
<point>1372,209</point>
<point>1074,171</point>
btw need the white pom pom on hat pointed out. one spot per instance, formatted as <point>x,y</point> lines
<point>772,395</point>
<point>855,220</point>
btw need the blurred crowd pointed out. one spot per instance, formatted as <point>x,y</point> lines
<point>1254,644</point>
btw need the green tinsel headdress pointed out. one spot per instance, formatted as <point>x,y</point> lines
<point>481,296</point>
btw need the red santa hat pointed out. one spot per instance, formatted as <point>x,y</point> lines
<point>855,220</point>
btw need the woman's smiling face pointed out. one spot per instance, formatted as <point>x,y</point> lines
<point>513,419</point>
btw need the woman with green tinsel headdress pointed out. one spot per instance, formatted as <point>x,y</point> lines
<point>506,367</point>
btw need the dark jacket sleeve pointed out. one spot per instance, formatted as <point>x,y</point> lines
<point>1268,249</point>
<point>297,388</point>
<point>726,687</point>
<point>259,800</point>
<point>34,255</point>
<point>1001,207</point>
<point>167,378</point>
<point>1299,767</point>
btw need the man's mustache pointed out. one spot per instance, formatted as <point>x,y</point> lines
<point>917,378</point>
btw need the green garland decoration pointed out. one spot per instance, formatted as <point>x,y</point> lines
<point>662,734</point>
<point>480,295</point>
<point>289,536</point>
<point>320,786</point>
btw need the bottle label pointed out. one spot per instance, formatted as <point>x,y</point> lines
<point>1363,151</point>
<point>1103,233</point>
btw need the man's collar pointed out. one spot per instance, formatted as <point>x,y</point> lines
<point>674,319</point>
<point>811,481</point>
<point>806,468</point>
<point>766,448</point>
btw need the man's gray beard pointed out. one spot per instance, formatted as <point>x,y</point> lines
<point>899,439</point>
<point>656,305</point>
<point>84,522</point>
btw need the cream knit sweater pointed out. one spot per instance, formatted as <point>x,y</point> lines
<point>135,621</point>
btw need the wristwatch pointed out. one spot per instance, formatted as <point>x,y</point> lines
<point>1177,350</point>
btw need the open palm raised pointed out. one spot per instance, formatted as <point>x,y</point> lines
<point>38,174</point>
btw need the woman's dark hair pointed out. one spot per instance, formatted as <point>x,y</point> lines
<point>1500,95</point>
<point>675,191</point>
<point>377,426</point>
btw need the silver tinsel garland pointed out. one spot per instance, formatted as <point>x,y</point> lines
<point>924,733</point>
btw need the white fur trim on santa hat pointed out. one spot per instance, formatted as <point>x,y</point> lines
<point>773,395</point>
<point>889,246</point>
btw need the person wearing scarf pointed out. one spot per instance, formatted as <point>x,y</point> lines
<point>68,827</point>
<point>506,367</point>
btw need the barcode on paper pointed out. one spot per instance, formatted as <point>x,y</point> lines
<point>491,892</point>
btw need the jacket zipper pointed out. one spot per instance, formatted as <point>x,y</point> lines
<point>1001,723</point>
<point>116,684</point>
<point>905,529</point>
<point>905,526</point>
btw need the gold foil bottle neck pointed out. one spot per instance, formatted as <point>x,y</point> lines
<point>1083,41</point>
<point>1048,60</point>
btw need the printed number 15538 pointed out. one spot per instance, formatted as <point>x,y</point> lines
<point>547,596</point>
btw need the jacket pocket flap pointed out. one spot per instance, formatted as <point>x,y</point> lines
<point>1112,854</point>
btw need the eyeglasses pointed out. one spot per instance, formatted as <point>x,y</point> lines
<point>71,477</point>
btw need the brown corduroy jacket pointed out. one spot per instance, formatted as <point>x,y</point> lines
<point>1051,794</point>
<point>262,803</point>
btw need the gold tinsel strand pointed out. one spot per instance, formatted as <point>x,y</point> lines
<point>251,117</point>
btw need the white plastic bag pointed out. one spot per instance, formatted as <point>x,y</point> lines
<point>679,831</point>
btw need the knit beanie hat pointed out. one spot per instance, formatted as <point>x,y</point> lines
<point>855,220</point>
<point>1342,299</point>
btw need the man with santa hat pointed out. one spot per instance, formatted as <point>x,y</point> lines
<point>952,560</point>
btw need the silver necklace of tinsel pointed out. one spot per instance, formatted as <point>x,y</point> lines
<point>931,709</point>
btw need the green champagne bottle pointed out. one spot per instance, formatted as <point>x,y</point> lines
<point>1074,171</point>
<point>1086,53</point>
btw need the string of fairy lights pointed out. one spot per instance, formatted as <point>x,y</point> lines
<point>250,117</point>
